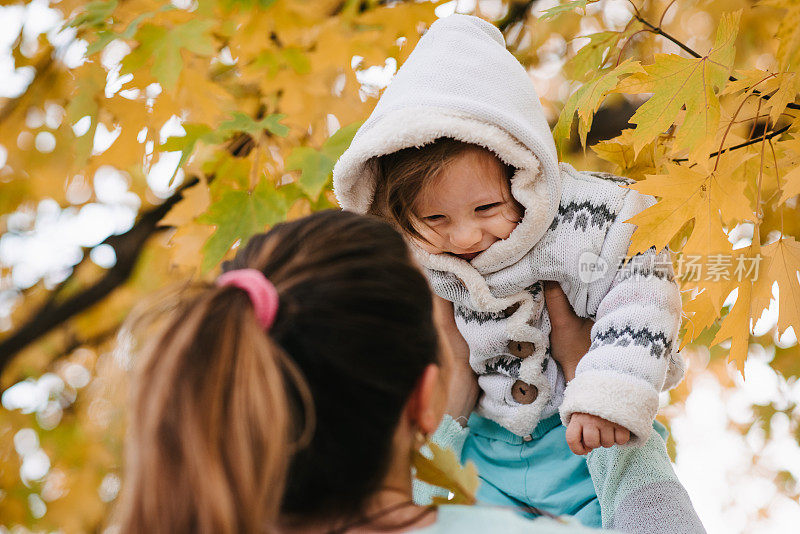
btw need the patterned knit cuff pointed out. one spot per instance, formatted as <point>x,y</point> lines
<point>450,435</point>
<point>616,397</point>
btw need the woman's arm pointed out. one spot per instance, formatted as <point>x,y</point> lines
<point>569,334</point>
<point>463,382</point>
<point>639,490</point>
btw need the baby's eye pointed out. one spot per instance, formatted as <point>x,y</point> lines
<point>486,207</point>
<point>433,217</point>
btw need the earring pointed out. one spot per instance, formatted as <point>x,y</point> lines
<point>420,439</point>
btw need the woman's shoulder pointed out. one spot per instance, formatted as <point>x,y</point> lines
<point>475,519</point>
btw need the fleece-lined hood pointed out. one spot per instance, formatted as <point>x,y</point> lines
<point>461,82</point>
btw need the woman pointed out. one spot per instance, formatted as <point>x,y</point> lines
<point>287,397</point>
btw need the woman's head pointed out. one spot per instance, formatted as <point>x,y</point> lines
<point>220,406</point>
<point>449,195</point>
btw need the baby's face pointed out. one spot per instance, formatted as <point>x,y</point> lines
<point>467,207</point>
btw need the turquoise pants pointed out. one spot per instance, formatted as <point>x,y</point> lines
<point>541,472</point>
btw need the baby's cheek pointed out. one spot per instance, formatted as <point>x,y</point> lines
<point>431,246</point>
<point>505,224</point>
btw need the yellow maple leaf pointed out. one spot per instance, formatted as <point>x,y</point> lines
<point>746,79</point>
<point>781,262</point>
<point>445,471</point>
<point>789,85</point>
<point>196,200</point>
<point>688,194</point>
<point>738,323</point>
<point>678,82</point>
<point>788,31</point>
<point>790,182</point>
<point>700,313</point>
<point>620,152</point>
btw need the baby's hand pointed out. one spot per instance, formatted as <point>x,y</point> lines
<point>586,432</point>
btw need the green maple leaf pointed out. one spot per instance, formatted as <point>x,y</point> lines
<point>566,7</point>
<point>94,14</point>
<point>164,45</point>
<point>241,122</point>
<point>586,101</point>
<point>229,5</point>
<point>186,143</point>
<point>296,59</point>
<point>338,142</point>
<point>238,215</point>
<point>590,57</point>
<point>593,55</point>
<point>106,36</point>
<point>316,166</point>
<point>678,82</point>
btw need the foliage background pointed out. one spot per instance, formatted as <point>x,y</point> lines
<point>142,140</point>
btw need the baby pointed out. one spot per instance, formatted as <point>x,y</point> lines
<point>458,155</point>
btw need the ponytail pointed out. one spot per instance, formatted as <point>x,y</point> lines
<point>225,435</point>
<point>210,427</point>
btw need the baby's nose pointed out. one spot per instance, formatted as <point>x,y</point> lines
<point>466,237</point>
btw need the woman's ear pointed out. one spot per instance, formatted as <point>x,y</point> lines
<point>426,405</point>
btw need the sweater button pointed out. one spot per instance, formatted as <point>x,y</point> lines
<point>523,392</point>
<point>521,349</point>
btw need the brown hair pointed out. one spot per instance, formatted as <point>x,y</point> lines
<point>232,426</point>
<point>401,176</point>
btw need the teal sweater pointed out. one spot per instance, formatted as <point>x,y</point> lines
<point>637,488</point>
<point>483,519</point>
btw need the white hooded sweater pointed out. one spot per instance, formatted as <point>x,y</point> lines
<point>461,82</point>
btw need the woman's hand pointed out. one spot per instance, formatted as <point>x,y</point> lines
<point>463,389</point>
<point>569,334</point>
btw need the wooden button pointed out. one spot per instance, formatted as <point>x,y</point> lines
<point>524,393</point>
<point>521,349</point>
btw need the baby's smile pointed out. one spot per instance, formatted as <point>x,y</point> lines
<point>469,256</point>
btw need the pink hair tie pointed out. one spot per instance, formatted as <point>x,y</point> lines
<point>262,293</point>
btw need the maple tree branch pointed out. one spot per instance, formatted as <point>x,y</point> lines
<point>517,12</point>
<point>76,342</point>
<point>128,248</point>
<point>777,178</point>
<point>774,133</point>
<point>664,13</point>
<point>657,30</point>
<point>759,215</point>
<point>625,44</point>
<point>635,9</point>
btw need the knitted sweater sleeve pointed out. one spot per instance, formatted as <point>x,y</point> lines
<point>639,492</point>
<point>449,435</point>
<point>636,322</point>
